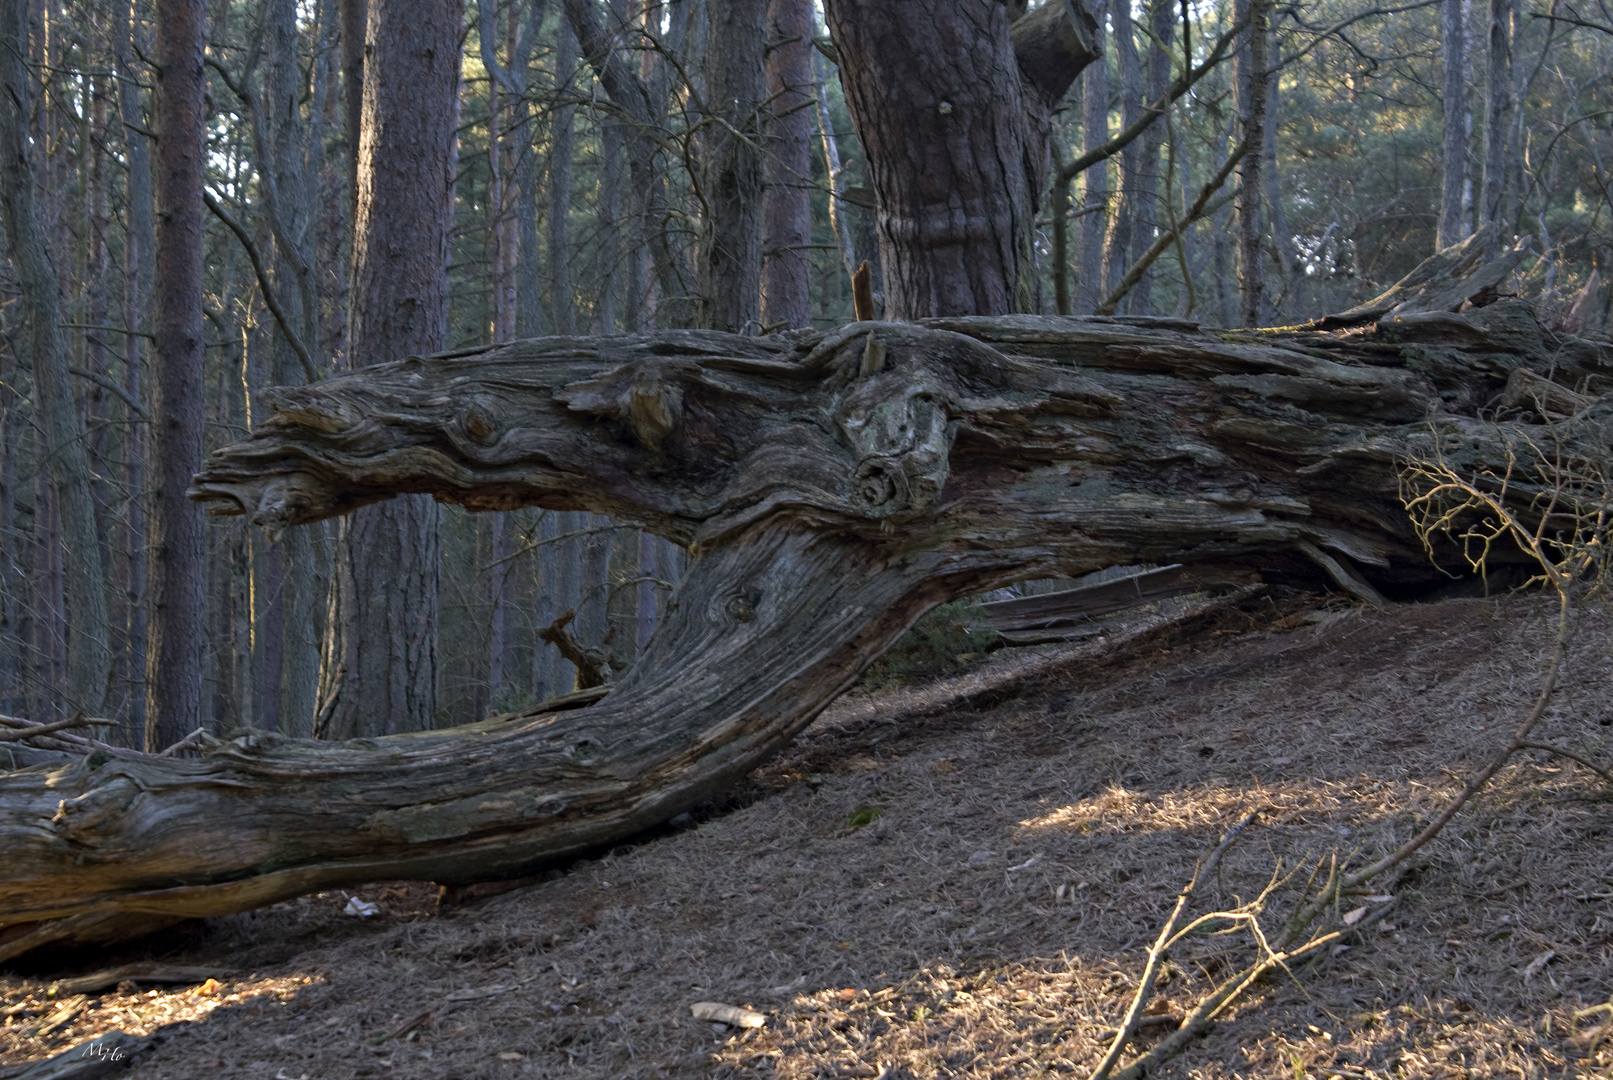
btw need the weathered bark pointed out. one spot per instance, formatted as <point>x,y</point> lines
<point>786,288</point>
<point>1453,56</point>
<point>89,654</point>
<point>958,163</point>
<point>178,563</point>
<point>830,503</point>
<point>379,666</point>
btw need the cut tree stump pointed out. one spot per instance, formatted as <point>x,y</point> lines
<point>826,507</point>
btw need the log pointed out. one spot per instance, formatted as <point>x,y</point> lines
<point>826,506</point>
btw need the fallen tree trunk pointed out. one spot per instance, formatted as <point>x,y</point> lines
<point>831,487</point>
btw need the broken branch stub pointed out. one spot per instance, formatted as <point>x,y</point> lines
<point>828,503</point>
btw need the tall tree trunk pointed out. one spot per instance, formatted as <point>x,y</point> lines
<point>1151,215</point>
<point>834,171</point>
<point>1283,250</point>
<point>731,166</point>
<point>1089,291</point>
<point>1251,106</point>
<point>1117,245</point>
<point>561,150</point>
<point>139,271</point>
<point>514,80</point>
<point>1453,56</point>
<point>786,300</point>
<point>379,673</point>
<point>179,571</point>
<point>354,15</point>
<point>298,565</point>
<point>12,649</point>
<point>89,653</point>
<point>1497,118</point>
<point>956,166</point>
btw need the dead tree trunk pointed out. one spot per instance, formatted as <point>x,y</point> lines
<point>832,488</point>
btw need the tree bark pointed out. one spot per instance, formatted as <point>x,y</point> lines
<point>958,161</point>
<point>89,653</point>
<point>1251,86</point>
<point>1153,187</point>
<point>829,506</point>
<point>379,665</point>
<point>1095,201</point>
<point>1117,242</point>
<point>1453,181</point>
<point>562,142</point>
<point>139,271</point>
<point>786,301</point>
<point>731,167</point>
<point>1497,118</point>
<point>178,637</point>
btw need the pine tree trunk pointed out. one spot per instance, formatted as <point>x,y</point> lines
<point>379,671</point>
<point>1251,102</point>
<point>89,655</point>
<point>1153,188</point>
<point>1454,169</point>
<point>1089,291</point>
<point>786,286</point>
<point>1497,119</point>
<point>139,270</point>
<point>1117,244</point>
<point>731,167</point>
<point>561,149</point>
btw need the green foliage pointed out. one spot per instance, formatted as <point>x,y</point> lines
<point>932,647</point>
<point>863,815</point>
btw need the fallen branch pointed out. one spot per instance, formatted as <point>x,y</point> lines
<point>1605,774</point>
<point>22,730</point>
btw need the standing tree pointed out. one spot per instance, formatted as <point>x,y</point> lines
<point>380,658</point>
<point>960,153</point>
<point>1453,182</point>
<point>179,569</point>
<point>731,156</point>
<point>786,200</point>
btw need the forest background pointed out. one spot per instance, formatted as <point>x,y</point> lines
<point>1314,161</point>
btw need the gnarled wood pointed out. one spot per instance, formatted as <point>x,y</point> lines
<point>828,502</point>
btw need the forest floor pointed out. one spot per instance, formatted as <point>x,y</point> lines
<point>963,879</point>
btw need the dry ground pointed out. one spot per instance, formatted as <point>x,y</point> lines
<point>962,881</point>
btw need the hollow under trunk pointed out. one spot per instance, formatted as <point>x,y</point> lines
<point>831,487</point>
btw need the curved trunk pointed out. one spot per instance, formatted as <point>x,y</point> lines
<point>832,487</point>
